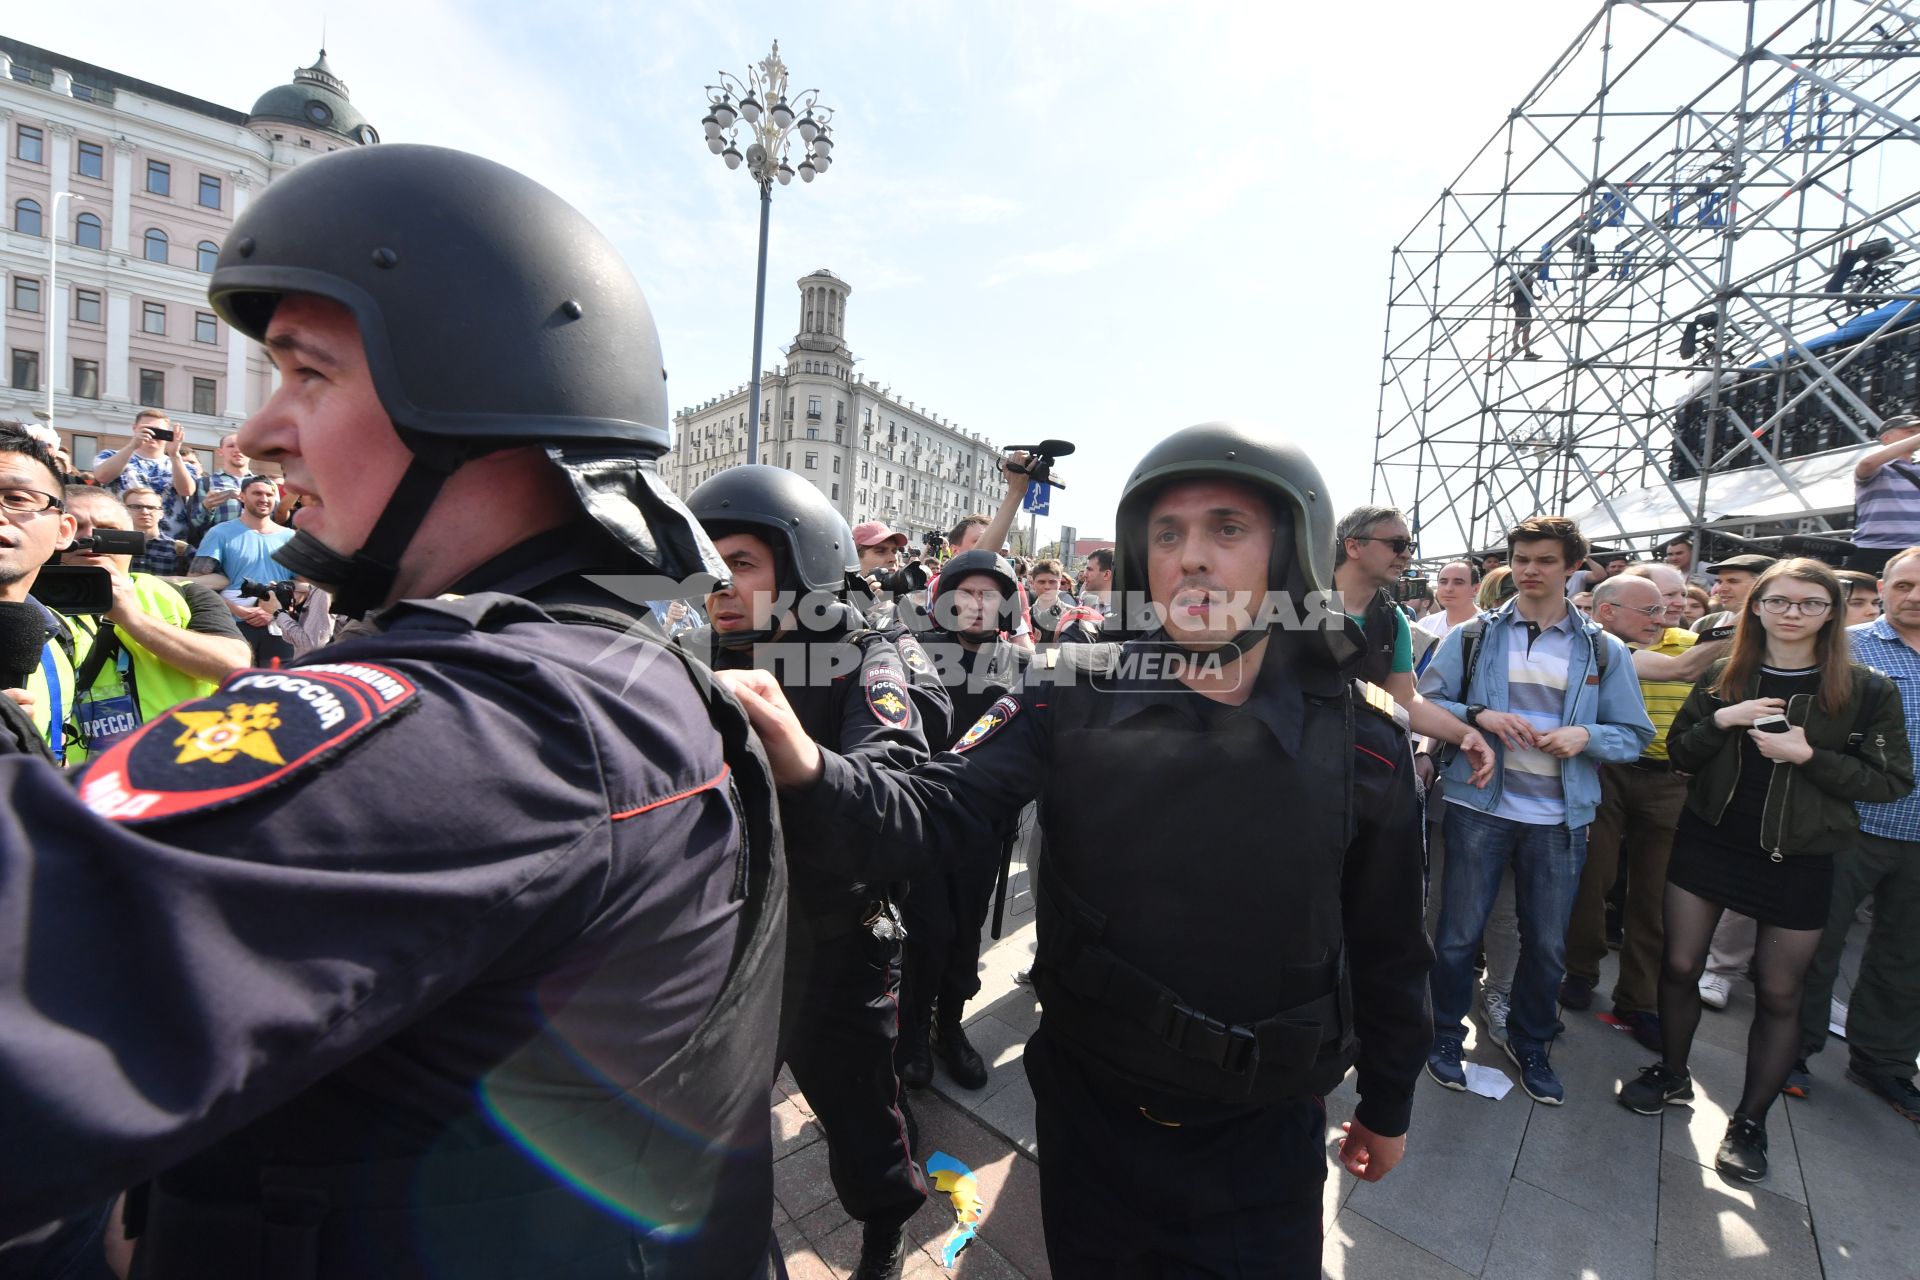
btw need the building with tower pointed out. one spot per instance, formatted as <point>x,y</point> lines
<point>135,187</point>
<point>876,455</point>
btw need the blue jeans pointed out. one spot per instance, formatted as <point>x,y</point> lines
<point>1546,863</point>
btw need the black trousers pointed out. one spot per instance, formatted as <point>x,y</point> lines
<point>944,914</point>
<point>1124,1196</point>
<point>841,1055</point>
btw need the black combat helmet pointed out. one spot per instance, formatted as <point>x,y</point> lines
<point>965,565</point>
<point>1224,451</point>
<point>810,539</point>
<point>493,315</point>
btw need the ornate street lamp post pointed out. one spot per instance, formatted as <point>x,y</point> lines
<point>760,109</point>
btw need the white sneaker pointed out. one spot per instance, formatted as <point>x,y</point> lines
<point>1715,990</point>
<point>1497,1007</point>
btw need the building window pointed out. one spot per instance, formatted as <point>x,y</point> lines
<point>26,217</point>
<point>159,178</point>
<point>206,328</point>
<point>207,256</point>
<point>31,146</point>
<point>153,318</point>
<point>813,407</point>
<point>26,370</point>
<point>86,231</point>
<point>209,191</point>
<point>86,380</point>
<point>836,493</point>
<point>813,433</point>
<point>789,459</point>
<point>26,294</point>
<point>153,388</point>
<point>205,393</point>
<point>813,462</point>
<point>863,470</point>
<point>156,245</point>
<point>93,160</point>
<point>85,446</point>
<point>86,306</point>
<point>836,466</point>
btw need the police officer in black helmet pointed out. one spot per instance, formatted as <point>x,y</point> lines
<point>453,949</point>
<point>783,609</point>
<point>1230,907</point>
<point>968,612</point>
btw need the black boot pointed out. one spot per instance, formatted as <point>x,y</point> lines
<point>914,1060</point>
<point>883,1252</point>
<point>963,1061</point>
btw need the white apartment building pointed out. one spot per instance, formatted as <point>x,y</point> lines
<point>135,187</point>
<point>876,456</point>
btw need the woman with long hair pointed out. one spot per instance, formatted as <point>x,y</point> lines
<point>1780,737</point>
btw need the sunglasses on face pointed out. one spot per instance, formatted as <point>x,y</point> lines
<point>1400,546</point>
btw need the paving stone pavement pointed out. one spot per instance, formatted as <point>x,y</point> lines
<point>1508,1189</point>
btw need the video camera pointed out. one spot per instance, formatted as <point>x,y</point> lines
<point>81,588</point>
<point>1413,587</point>
<point>281,591</point>
<point>1040,468</point>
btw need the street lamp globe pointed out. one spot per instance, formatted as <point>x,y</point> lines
<point>734,106</point>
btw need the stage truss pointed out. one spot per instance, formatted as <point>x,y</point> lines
<point>1689,203</point>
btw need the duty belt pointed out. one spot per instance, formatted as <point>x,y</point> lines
<point>1095,973</point>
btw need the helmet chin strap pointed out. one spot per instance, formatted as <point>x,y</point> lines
<point>363,581</point>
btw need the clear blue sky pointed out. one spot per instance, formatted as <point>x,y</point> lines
<point>1093,221</point>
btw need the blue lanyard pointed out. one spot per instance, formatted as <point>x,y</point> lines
<point>56,714</point>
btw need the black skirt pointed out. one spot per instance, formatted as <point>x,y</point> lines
<point>1793,893</point>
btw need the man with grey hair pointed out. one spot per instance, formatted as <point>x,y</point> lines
<point>1640,803</point>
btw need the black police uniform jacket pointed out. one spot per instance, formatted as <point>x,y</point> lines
<point>853,692</point>
<point>376,961</point>
<point>1210,870</point>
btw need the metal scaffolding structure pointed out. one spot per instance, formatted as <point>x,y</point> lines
<point>1674,289</point>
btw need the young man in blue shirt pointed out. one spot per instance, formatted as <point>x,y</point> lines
<point>1557,696</point>
<point>242,550</point>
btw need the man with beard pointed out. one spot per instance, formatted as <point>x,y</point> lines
<point>1201,989</point>
<point>949,904</point>
<point>784,611</point>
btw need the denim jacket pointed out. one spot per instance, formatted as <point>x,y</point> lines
<point>1607,705</point>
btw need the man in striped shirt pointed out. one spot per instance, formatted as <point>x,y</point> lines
<point>1886,495</point>
<point>1559,697</point>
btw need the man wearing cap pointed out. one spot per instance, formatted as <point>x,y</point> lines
<point>1886,495</point>
<point>877,546</point>
<point>1733,578</point>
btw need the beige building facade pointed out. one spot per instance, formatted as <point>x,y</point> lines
<point>135,187</point>
<point>875,455</point>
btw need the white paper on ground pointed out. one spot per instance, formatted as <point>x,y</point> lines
<point>1488,1082</point>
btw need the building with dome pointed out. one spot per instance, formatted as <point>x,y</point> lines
<point>135,187</point>
<point>875,454</point>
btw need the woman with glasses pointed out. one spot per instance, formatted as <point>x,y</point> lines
<point>1780,737</point>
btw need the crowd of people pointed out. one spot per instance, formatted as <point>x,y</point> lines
<point>466,938</point>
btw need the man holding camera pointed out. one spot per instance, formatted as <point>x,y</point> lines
<point>241,551</point>
<point>159,645</point>
<point>39,649</point>
<point>154,459</point>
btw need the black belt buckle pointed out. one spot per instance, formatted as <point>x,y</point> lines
<point>1230,1046</point>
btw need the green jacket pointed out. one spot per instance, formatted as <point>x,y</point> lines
<point>1862,755</point>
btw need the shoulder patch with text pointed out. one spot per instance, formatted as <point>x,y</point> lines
<point>991,721</point>
<point>257,730</point>
<point>914,656</point>
<point>887,695</point>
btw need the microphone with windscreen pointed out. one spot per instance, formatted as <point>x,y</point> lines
<point>23,634</point>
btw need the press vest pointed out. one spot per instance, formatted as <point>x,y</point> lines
<point>132,686</point>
